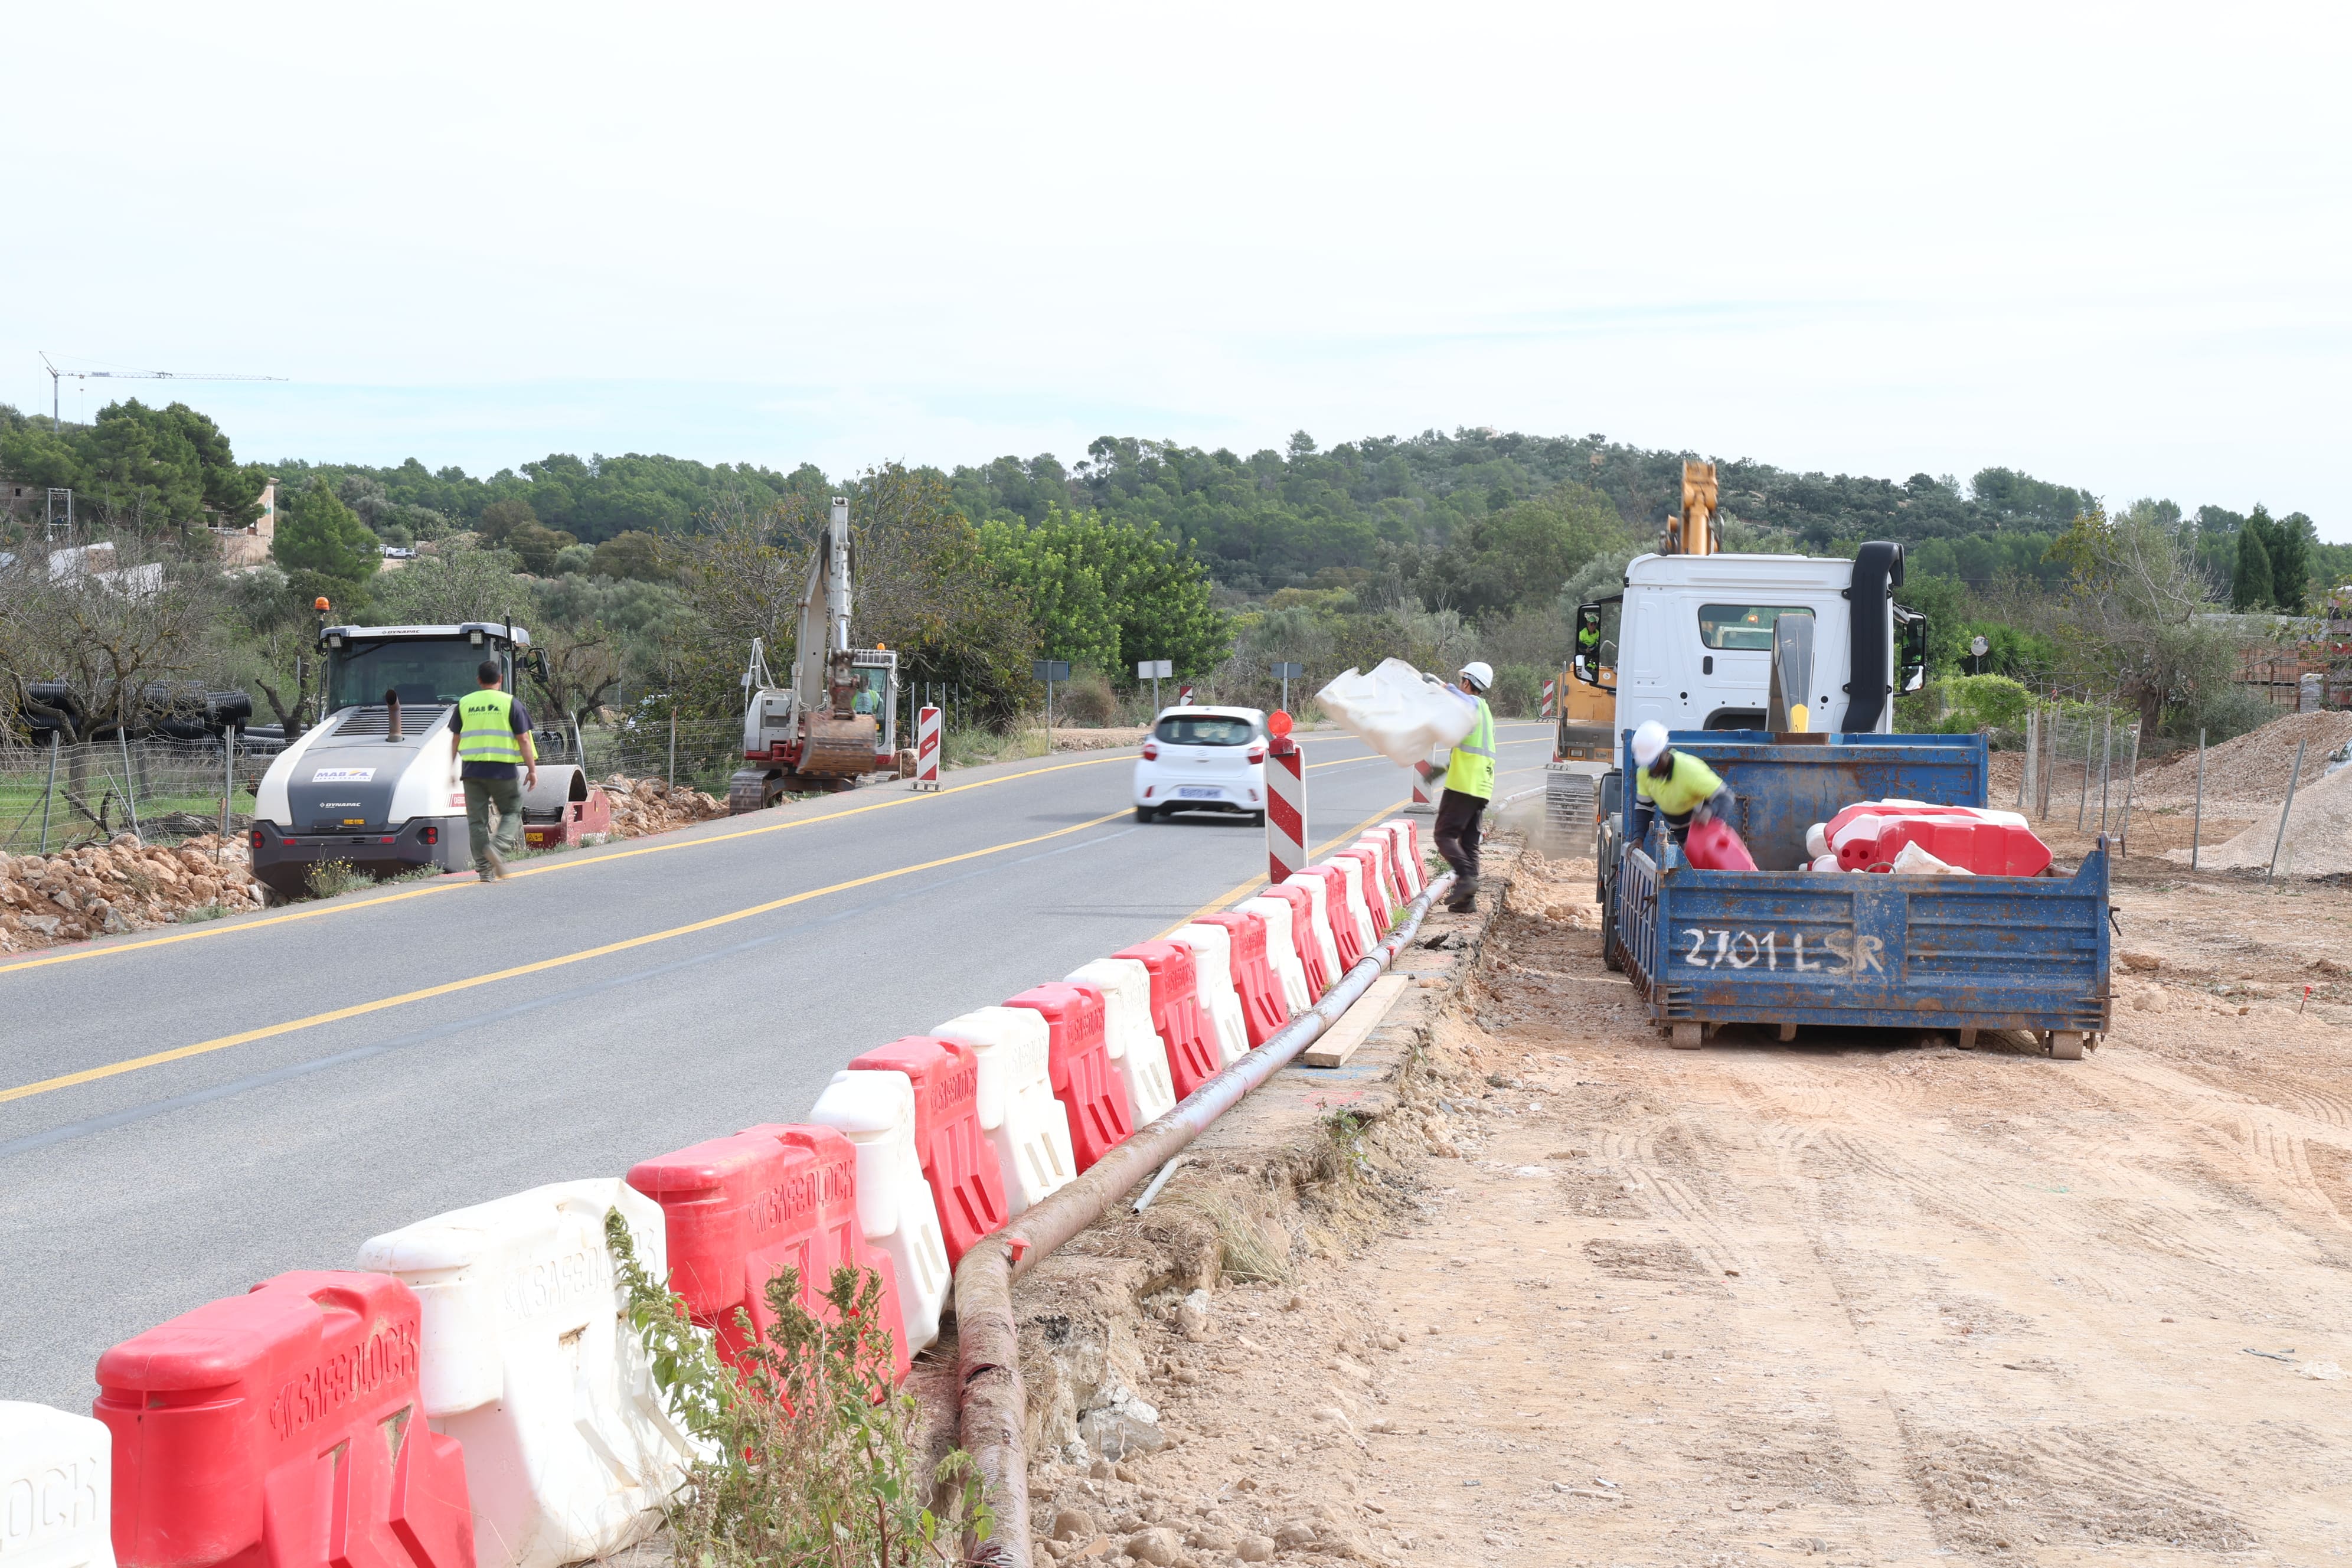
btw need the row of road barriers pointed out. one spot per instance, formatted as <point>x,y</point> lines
<point>472,1394</point>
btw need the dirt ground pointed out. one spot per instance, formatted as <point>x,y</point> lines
<point>1852,1299</point>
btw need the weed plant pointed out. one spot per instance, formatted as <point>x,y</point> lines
<point>332,878</point>
<point>814,1459</point>
<point>201,913</point>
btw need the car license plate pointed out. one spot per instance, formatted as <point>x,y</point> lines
<point>1200,794</point>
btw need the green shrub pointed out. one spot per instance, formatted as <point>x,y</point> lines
<point>332,878</point>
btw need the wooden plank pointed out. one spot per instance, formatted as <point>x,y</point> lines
<point>1337,1042</point>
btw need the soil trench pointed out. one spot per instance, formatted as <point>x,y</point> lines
<point>1845,1299</point>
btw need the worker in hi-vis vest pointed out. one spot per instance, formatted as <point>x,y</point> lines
<point>1469,785</point>
<point>490,735</point>
<point>1678,786</point>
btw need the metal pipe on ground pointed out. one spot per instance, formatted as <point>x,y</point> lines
<point>988,1353</point>
<point>2291,780</point>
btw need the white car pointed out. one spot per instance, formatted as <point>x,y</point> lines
<point>1203,759</point>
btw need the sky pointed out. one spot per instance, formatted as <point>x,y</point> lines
<point>2106,244</point>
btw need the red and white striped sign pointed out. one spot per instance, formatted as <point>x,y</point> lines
<point>1185,694</point>
<point>1551,688</point>
<point>1422,797</point>
<point>1285,810</point>
<point>927,749</point>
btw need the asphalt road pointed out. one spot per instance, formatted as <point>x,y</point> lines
<point>184,1114</point>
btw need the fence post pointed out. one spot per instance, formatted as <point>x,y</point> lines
<point>2293,779</point>
<point>229,786</point>
<point>2083,805</point>
<point>2033,756</point>
<point>129,787</point>
<point>2197,823</point>
<point>2107,765</point>
<point>673,746</point>
<point>50,792</point>
<point>2131,778</point>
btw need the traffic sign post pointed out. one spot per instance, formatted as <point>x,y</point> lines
<point>927,749</point>
<point>1284,672</point>
<point>1050,670</point>
<point>1185,694</point>
<point>1286,801</point>
<point>1154,670</point>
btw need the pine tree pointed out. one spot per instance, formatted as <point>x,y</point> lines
<point>2249,584</point>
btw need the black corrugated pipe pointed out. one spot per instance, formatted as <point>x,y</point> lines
<point>988,1350</point>
<point>1870,658</point>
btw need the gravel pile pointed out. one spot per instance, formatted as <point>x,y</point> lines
<point>2248,775</point>
<point>644,806</point>
<point>2318,833</point>
<point>122,885</point>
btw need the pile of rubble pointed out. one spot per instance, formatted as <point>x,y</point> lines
<point>122,885</point>
<point>644,806</point>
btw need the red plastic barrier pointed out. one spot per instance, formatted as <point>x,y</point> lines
<point>1391,873</point>
<point>1262,1008</point>
<point>1986,849</point>
<point>1176,1013</point>
<point>958,1159</point>
<point>738,1210</point>
<point>830,1194</point>
<point>1714,846</point>
<point>1375,885</point>
<point>1085,1080</point>
<point>283,1429</point>
<point>1302,936</point>
<point>1344,934</point>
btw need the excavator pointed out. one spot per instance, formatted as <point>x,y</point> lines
<point>837,719</point>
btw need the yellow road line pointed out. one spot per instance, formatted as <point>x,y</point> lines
<point>90,1075</point>
<point>338,906</point>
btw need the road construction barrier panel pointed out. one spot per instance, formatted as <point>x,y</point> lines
<point>1371,886</point>
<point>1318,883</point>
<point>829,1192</point>
<point>1263,1010</point>
<point>1177,1016</point>
<point>531,1364</point>
<point>1408,842</point>
<point>1282,952</point>
<point>1135,1046</point>
<point>283,1428</point>
<point>927,749</point>
<point>876,1111</point>
<point>1316,967</point>
<point>1085,1080</point>
<point>56,1472</point>
<point>1352,902</point>
<point>1025,1124</point>
<point>1286,808</point>
<point>738,1210</point>
<point>957,1159</point>
<point>1212,970</point>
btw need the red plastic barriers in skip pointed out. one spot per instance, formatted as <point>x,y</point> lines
<point>283,1429</point>
<point>1176,1015</point>
<point>957,1159</point>
<point>1263,1011</point>
<point>740,1211</point>
<point>1085,1080</point>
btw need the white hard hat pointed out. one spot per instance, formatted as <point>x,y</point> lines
<point>1478,673</point>
<point>1649,740</point>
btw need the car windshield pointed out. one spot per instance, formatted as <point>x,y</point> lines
<point>1206,729</point>
<point>420,672</point>
<point>1742,628</point>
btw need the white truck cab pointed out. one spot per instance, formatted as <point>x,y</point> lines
<point>1692,639</point>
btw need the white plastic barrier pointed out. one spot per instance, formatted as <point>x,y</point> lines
<point>895,1207</point>
<point>1281,951</point>
<point>1384,846</point>
<point>1397,712</point>
<point>529,1363</point>
<point>1212,964</point>
<point>1358,911</point>
<point>1027,1127</point>
<point>56,1483</point>
<point>1416,875</point>
<point>1317,891</point>
<point>1128,1034</point>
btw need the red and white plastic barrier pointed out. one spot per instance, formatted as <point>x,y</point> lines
<point>1869,836</point>
<point>1077,1062</point>
<point>1136,1048</point>
<point>1177,1016</point>
<point>1213,972</point>
<point>57,1475</point>
<point>1263,1011</point>
<point>876,1111</point>
<point>1025,1124</point>
<point>1282,954</point>
<point>1315,883</point>
<point>1286,808</point>
<point>958,1161</point>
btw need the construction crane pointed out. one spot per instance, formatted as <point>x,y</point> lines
<point>56,378</point>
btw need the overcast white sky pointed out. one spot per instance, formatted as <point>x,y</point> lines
<point>2103,244</point>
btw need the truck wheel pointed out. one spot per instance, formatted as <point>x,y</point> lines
<point>2066,1045</point>
<point>1686,1036</point>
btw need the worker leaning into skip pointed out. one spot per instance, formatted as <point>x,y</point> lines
<point>490,738</point>
<point>1469,785</point>
<point>1678,786</point>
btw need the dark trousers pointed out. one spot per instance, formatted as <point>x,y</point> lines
<point>1458,816</point>
<point>481,794</point>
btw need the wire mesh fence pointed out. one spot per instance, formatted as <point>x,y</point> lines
<point>2084,755</point>
<point>54,798</point>
<point>700,754</point>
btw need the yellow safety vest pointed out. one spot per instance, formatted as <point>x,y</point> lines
<point>1472,771</point>
<point>486,729</point>
<point>1687,783</point>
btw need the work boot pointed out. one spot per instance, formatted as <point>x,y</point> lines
<point>498,865</point>
<point>1464,898</point>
